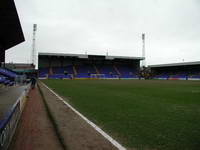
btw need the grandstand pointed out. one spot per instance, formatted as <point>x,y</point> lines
<point>79,66</point>
<point>177,71</point>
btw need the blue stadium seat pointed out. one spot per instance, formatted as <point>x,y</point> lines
<point>8,73</point>
<point>2,79</point>
<point>85,71</point>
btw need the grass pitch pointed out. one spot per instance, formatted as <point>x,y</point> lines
<point>146,115</point>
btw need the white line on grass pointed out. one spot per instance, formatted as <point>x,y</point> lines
<point>109,138</point>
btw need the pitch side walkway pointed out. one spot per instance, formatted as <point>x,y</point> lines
<point>75,132</point>
<point>35,130</point>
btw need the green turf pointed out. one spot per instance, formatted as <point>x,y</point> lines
<point>146,115</point>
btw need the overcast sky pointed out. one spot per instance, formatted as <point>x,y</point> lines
<point>172,28</point>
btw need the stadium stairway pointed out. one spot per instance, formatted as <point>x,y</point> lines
<point>74,69</point>
<point>97,71</point>
<point>50,71</point>
<point>116,70</point>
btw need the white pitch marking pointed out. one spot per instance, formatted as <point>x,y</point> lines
<point>109,138</point>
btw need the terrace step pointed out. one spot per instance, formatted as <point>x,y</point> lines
<point>115,68</point>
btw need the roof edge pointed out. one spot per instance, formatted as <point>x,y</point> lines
<point>175,64</point>
<point>86,55</point>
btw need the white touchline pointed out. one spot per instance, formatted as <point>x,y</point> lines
<point>109,138</point>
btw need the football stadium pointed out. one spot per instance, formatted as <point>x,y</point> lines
<point>86,101</point>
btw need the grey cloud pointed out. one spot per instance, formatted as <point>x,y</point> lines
<point>75,26</point>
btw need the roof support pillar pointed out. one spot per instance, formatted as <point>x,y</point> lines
<point>2,56</point>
